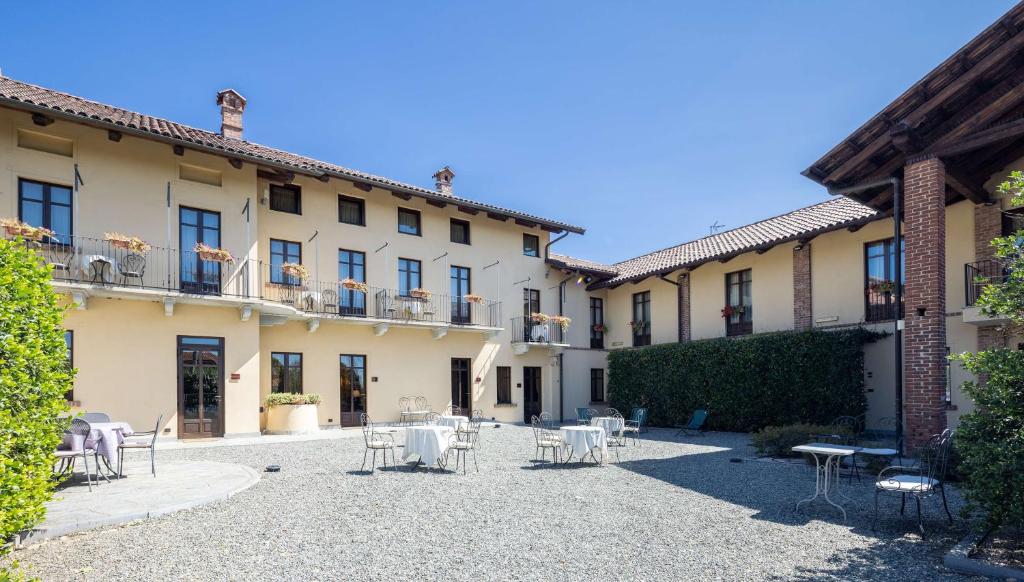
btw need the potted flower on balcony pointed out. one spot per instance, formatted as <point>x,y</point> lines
<point>420,293</point>
<point>599,327</point>
<point>208,253</point>
<point>562,321</point>
<point>289,413</point>
<point>470,298</point>
<point>728,311</point>
<point>15,227</point>
<point>353,285</point>
<point>638,326</point>
<point>130,243</point>
<point>296,270</point>
<point>885,287</point>
<point>539,318</point>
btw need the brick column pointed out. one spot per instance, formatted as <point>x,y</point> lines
<point>924,340</point>
<point>683,301</point>
<point>802,315</point>
<point>988,224</point>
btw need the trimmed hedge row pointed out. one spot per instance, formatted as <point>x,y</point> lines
<point>747,383</point>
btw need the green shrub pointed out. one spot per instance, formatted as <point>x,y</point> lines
<point>281,398</point>
<point>749,383</point>
<point>34,377</point>
<point>778,441</point>
<point>990,440</point>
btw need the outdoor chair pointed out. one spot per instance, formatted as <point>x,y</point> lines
<point>132,266</point>
<point>79,432</point>
<point>616,439</point>
<point>329,301</point>
<point>636,424</point>
<point>421,407</point>
<point>844,431</point>
<point>405,410</point>
<point>376,441</point>
<point>149,443</point>
<point>583,415</point>
<point>545,439</point>
<point>695,426</point>
<point>95,417</point>
<point>62,258</point>
<point>431,417</point>
<point>464,440</point>
<point>923,480</point>
<point>884,444</point>
<point>547,421</point>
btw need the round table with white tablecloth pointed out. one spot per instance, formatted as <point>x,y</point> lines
<point>453,421</point>
<point>430,443</point>
<point>610,424</point>
<point>104,437</point>
<point>583,440</point>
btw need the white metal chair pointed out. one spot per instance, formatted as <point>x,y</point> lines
<point>923,480</point>
<point>149,443</point>
<point>376,441</point>
<point>545,440</point>
<point>464,440</point>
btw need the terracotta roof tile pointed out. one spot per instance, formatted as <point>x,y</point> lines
<point>18,94</point>
<point>567,262</point>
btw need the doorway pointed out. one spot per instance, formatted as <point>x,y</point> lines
<point>200,387</point>
<point>353,388</point>
<point>531,393</point>
<point>196,275</point>
<point>461,398</point>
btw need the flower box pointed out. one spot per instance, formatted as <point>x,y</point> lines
<point>15,228</point>
<point>130,243</point>
<point>470,298</point>
<point>539,318</point>
<point>353,285</point>
<point>562,321</point>
<point>295,270</point>
<point>420,293</point>
<point>292,414</point>
<point>208,253</point>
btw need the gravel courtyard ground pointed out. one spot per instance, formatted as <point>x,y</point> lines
<point>672,509</point>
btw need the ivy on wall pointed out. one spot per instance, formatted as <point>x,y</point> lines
<point>747,383</point>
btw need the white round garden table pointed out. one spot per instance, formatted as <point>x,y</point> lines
<point>452,422</point>
<point>610,424</point>
<point>429,443</point>
<point>584,440</point>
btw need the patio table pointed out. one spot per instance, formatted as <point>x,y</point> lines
<point>430,443</point>
<point>99,267</point>
<point>452,422</point>
<point>584,440</point>
<point>826,475</point>
<point>105,438</point>
<point>610,424</point>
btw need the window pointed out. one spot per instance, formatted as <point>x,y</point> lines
<point>198,226</point>
<point>879,280</point>
<point>281,252</point>
<point>460,231</point>
<point>409,221</point>
<point>641,323</point>
<point>46,205</point>
<point>351,265</point>
<point>286,372</point>
<point>286,198</point>
<point>460,288</point>
<point>531,245</point>
<point>738,313</point>
<point>597,323</point>
<point>504,385</point>
<point>408,276</point>
<point>597,385</point>
<point>69,341</point>
<point>351,210</point>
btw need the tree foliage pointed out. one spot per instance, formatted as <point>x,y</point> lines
<point>990,439</point>
<point>34,377</point>
<point>749,383</point>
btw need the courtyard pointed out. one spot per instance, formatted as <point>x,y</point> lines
<point>671,508</point>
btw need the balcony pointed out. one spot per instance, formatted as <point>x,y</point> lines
<point>528,334</point>
<point>977,276</point>
<point>85,267</point>
<point>880,301</point>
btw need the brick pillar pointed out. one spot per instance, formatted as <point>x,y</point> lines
<point>924,340</point>
<point>683,301</point>
<point>802,314</point>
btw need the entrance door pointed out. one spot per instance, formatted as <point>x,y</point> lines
<point>200,387</point>
<point>198,226</point>
<point>531,392</point>
<point>353,388</point>
<point>461,402</point>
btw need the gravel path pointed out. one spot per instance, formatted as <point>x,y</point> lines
<point>672,509</point>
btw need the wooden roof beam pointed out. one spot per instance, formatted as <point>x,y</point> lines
<point>965,188</point>
<point>468,210</point>
<point>437,203</point>
<point>497,216</point>
<point>980,139</point>
<point>1003,97</point>
<point>402,195</point>
<point>526,223</point>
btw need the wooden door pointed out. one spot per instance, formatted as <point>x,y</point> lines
<point>200,387</point>
<point>353,388</point>
<point>461,399</point>
<point>531,393</point>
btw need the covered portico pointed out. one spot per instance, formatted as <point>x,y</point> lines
<point>950,137</point>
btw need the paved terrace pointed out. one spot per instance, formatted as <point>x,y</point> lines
<point>673,509</point>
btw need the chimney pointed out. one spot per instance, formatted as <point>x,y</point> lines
<point>232,104</point>
<point>443,179</point>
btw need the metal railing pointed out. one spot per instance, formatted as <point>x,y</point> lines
<point>525,329</point>
<point>880,303</point>
<point>978,275</point>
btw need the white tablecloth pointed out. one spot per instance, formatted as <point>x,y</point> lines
<point>584,438</point>
<point>612,424</point>
<point>104,437</point>
<point>452,422</point>
<point>540,333</point>
<point>429,442</point>
<point>107,273</point>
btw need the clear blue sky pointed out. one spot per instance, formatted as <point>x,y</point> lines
<point>643,122</point>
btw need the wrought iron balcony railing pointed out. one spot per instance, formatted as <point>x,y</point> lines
<point>979,274</point>
<point>527,330</point>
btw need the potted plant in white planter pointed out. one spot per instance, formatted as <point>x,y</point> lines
<point>289,413</point>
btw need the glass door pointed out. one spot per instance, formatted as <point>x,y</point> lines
<point>460,288</point>
<point>198,226</point>
<point>461,403</point>
<point>531,305</point>
<point>200,387</point>
<point>352,265</point>
<point>353,388</point>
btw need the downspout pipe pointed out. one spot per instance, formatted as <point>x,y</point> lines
<point>897,220</point>
<point>547,247</point>
<point>561,356</point>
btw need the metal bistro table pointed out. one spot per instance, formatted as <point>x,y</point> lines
<point>826,475</point>
<point>428,443</point>
<point>584,440</point>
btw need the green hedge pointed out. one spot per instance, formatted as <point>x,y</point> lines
<point>34,377</point>
<point>747,383</point>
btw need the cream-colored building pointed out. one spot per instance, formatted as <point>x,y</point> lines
<point>364,289</point>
